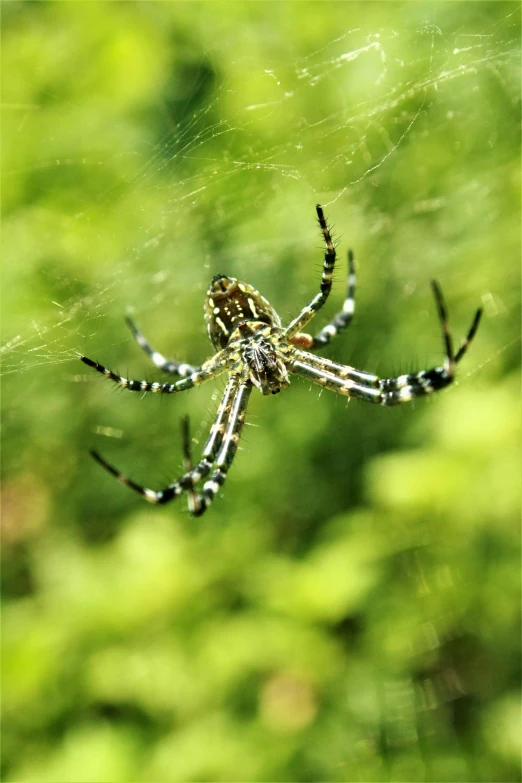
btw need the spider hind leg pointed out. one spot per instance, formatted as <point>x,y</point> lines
<point>148,494</point>
<point>228,450</point>
<point>187,462</point>
<point>187,483</point>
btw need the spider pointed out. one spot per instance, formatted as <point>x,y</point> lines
<point>257,351</point>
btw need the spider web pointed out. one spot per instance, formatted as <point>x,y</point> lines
<point>237,158</point>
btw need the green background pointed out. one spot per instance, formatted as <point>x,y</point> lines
<point>349,609</point>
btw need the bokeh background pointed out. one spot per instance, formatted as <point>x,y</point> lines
<point>349,609</point>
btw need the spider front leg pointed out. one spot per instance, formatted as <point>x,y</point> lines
<point>338,323</point>
<point>210,369</point>
<point>167,365</point>
<point>318,301</point>
<point>388,391</point>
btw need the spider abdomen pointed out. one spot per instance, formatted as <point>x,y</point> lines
<point>230,302</point>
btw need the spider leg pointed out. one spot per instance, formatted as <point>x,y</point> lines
<point>388,391</point>
<point>214,441</point>
<point>167,365</point>
<point>338,323</point>
<point>406,387</point>
<point>339,370</point>
<point>343,319</point>
<point>187,457</point>
<point>308,312</point>
<point>210,369</point>
<point>444,321</point>
<point>341,385</point>
<point>192,475</point>
<point>199,504</point>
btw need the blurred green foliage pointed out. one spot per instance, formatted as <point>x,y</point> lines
<point>349,610</point>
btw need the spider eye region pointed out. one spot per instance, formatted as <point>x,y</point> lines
<point>265,358</point>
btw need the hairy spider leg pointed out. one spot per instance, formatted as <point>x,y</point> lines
<point>340,370</point>
<point>210,369</point>
<point>388,391</point>
<point>338,323</point>
<point>469,337</point>
<point>334,383</point>
<point>228,449</point>
<point>214,440</point>
<point>308,312</point>
<point>406,387</point>
<point>167,365</point>
<point>192,475</point>
<point>187,457</point>
<point>343,319</point>
<point>441,307</point>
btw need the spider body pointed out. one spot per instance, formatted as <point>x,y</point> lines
<point>257,351</point>
<point>244,322</point>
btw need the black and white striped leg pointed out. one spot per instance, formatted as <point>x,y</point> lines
<point>199,504</point>
<point>443,316</point>
<point>187,457</point>
<point>214,441</point>
<point>343,319</point>
<point>192,475</point>
<point>167,365</point>
<point>340,385</point>
<point>406,387</point>
<point>343,371</point>
<point>388,391</point>
<point>326,282</point>
<point>210,370</point>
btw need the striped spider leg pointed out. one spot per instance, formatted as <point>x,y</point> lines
<point>211,369</point>
<point>388,391</point>
<point>338,323</point>
<point>344,318</point>
<point>193,475</point>
<point>229,440</point>
<point>256,351</point>
<point>167,365</point>
<point>293,330</point>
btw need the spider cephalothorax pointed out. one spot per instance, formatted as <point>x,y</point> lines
<point>265,353</point>
<point>255,350</point>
